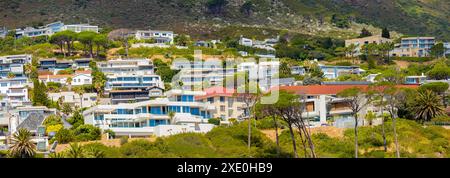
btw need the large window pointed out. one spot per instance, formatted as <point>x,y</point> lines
<point>156,110</point>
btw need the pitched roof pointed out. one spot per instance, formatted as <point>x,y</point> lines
<point>328,89</point>
<point>83,72</point>
<point>53,76</point>
<point>216,91</point>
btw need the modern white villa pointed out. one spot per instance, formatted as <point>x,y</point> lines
<point>152,117</point>
<point>158,35</point>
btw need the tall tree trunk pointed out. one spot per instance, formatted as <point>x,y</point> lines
<point>383,132</point>
<point>91,50</point>
<point>395,138</point>
<point>276,135</point>
<point>310,142</point>
<point>249,133</point>
<point>294,145</point>
<point>356,135</point>
<point>303,141</point>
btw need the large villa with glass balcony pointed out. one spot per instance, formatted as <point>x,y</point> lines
<point>152,117</point>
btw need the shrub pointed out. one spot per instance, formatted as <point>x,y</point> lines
<point>64,136</point>
<point>87,133</point>
<point>123,140</point>
<point>215,121</point>
<point>52,120</point>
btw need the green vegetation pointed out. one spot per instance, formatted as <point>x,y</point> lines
<point>415,140</point>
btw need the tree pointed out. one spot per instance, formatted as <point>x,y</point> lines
<point>265,110</point>
<point>365,33</point>
<point>75,151</point>
<point>66,108</point>
<point>11,75</point>
<point>100,41</point>
<point>171,116</point>
<point>64,136</point>
<point>356,99</point>
<point>248,92</point>
<point>40,97</point>
<point>385,49</point>
<point>69,83</point>
<point>23,147</point>
<point>124,36</point>
<point>284,70</point>
<point>182,40</point>
<point>394,99</point>
<point>382,89</point>
<point>247,8</point>
<point>52,120</point>
<point>440,88</point>
<point>76,120</point>
<point>59,39</point>
<point>385,33</point>
<point>437,50</point>
<point>87,39</point>
<point>216,7</point>
<point>440,71</point>
<point>290,108</point>
<point>391,75</point>
<point>427,106</point>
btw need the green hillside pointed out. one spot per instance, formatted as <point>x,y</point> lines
<point>414,17</point>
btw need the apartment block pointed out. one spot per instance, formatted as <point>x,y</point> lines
<point>13,64</point>
<point>14,92</point>
<point>414,47</point>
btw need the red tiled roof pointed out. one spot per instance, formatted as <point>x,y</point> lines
<point>328,89</point>
<point>53,76</point>
<point>216,91</point>
<point>83,72</point>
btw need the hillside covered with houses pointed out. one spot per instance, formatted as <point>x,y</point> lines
<point>88,86</point>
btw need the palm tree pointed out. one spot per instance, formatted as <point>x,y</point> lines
<point>69,83</point>
<point>427,106</point>
<point>56,155</point>
<point>171,115</point>
<point>23,147</point>
<point>75,151</point>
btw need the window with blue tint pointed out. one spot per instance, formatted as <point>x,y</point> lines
<point>4,84</point>
<point>137,111</point>
<point>147,79</point>
<point>99,117</point>
<point>155,110</point>
<point>144,109</point>
<point>195,111</point>
<point>151,123</point>
<point>222,99</point>
<point>160,122</point>
<point>203,114</point>
<point>186,109</point>
<point>124,111</point>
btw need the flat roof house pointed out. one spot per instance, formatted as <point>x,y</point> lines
<point>414,47</point>
<point>123,66</point>
<point>158,35</point>
<point>359,42</point>
<point>146,118</point>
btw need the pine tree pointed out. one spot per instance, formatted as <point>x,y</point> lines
<point>365,33</point>
<point>385,33</point>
